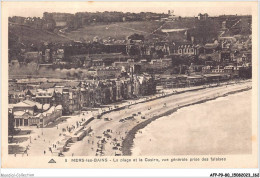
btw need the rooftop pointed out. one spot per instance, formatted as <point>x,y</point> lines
<point>210,46</point>
<point>47,85</point>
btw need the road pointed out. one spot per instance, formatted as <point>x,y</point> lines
<point>223,32</point>
<point>92,145</point>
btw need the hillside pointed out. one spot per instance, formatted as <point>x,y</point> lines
<point>115,30</point>
<point>29,35</point>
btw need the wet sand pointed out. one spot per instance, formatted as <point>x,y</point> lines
<point>202,129</point>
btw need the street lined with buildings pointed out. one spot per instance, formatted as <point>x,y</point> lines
<point>107,132</point>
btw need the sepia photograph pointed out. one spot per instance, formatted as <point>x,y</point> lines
<point>87,82</point>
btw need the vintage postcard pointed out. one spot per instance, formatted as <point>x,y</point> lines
<point>129,85</point>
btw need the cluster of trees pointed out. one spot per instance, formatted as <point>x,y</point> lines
<point>34,22</point>
<point>11,130</point>
<point>75,21</point>
<point>108,17</point>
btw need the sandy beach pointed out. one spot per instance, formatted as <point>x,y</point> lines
<point>202,129</point>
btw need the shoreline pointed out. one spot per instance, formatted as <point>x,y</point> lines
<point>174,99</point>
<point>127,143</point>
<point>196,88</point>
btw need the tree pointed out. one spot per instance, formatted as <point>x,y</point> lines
<point>10,124</point>
<point>136,36</point>
<point>209,58</point>
<point>134,50</point>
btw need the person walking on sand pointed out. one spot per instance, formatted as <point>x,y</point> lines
<point>44,152</point>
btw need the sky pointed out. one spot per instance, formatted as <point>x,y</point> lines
<point>31,9</point>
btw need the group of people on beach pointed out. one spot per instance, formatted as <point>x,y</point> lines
<point>67,129</point>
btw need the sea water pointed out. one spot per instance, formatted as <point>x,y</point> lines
<point>220,126</point>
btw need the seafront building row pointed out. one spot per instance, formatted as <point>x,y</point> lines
<point>39,101</point>
<point>33,101</point>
